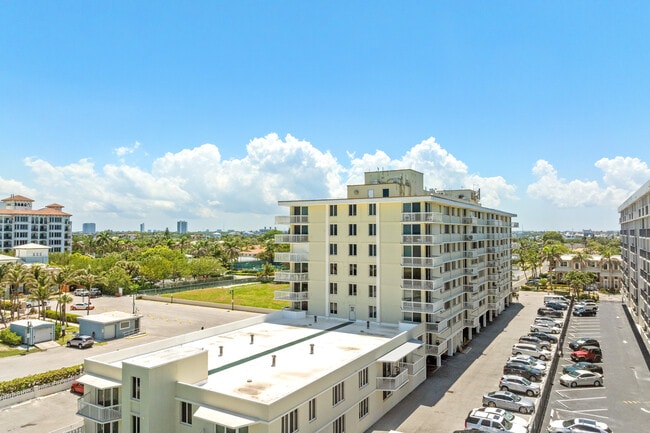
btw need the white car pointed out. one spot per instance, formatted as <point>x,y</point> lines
<point>581,378</point>
<point>529,360</point>
<point>513,383</point>
<point>545,327</point>
<point>479,419</point>
<point>532,350</point>
<point>545,319</point>
<point>576,425</point>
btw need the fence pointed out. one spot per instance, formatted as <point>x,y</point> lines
<point>194,286</point>
<point>74,428</point>
<point>36,391</point>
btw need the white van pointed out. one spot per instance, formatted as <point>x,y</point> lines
<point>555,298</point>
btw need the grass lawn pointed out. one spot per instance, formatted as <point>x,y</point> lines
<point>6,351</point>
<point>258,295</point>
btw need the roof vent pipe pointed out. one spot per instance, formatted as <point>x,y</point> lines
<point>311,349</point>
<point>220,350</point>
<point>367,324</point>
<point>315,318</point>
<point>252,337</point>
<point>272,360</point>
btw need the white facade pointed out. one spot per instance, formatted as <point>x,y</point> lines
<point>634,217</point>
<point>20,225</point>
<point>393,251</point>
<point>279,373</point>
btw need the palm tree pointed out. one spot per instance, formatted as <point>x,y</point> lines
<point>89,280</point>
<point>3,271</point>
<point>16,277</point>
<point>62,300</point>
<point>42,291</point>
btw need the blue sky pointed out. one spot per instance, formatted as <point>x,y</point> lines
<point>211,112</point>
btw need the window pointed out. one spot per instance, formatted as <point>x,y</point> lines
<point>224,429</point>
<point>334,230</point>
<point>135,424</point>
<point>334,249</point>
<point>338,426</point>
<point>372,229</point>
<point>135,388</point>
<point>334,309</point>
<point>352,209</point>
<point>352,229</point>
<point>334,288</point>
<point>334,210</point>
<point>333,269</point>
<point>372,209</point>
<point>352,249</point>
<point>312,409</point>
<point>186,412</point>
<point>372,291</point>
<point>352,289</point>
<point>384,192</point>
<point>372,250</point>
<point>372,312</point>
<point>109,427</point>
<point>338,393</point>
<point>353,269</point>
<point>290,422</point>
<point>363,407</point>
<point>363,377</point>
<point>372,270</point>
<point>387,394</point>
<point>108,397</point>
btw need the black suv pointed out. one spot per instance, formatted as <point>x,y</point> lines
<point>530,373</point>
<point>584,341</point>
<point>544,336</point>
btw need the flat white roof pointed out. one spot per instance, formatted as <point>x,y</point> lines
<point>241,366</point>
<point>108,317</point>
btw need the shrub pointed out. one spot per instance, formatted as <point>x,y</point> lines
<point>46,378</point>
<point>55,315</point>
<point>9,337</point>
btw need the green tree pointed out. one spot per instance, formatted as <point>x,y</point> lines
<point>42,290</point>
<point>267,272</point>
<point>18,276</point>
<point>63,299</point>
<point>551,253</point>
<point>89,280</point>
<point>552,237</point>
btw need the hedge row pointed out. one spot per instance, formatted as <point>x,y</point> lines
<point>55,315</point>
<point>25,383</point>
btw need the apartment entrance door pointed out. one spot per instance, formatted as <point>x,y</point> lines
<point>352,315</point>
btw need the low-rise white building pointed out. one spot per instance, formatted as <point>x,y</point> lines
<point>283,372</point>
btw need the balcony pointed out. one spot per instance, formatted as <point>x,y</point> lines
<point>437,328</point>
<point>470,220</point>
<point>284,295</point>
<point>393,383</point>
<point>415,366</point>
<point>422,307</point>
<point>471,305</point>
<point>420,239</point>
<point>292,277</point>
<point>436,349</point>
<point>422,284</point>
<point>100,414</point>
<point>423,262</point>
<point>428,217</point>
<point>472,323</point>
<point>291,219</point>
<point>471,288</point>
<point>492,305</point>
<point>478,312</point>
<point>291,257</point>
<point>291,239</point>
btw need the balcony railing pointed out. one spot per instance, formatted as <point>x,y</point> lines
<point>101,414</point>
<point>422,307</point>
<point>429,217</point>
<point>291,219</point>
<point>436,349</point>
<point>285,295</point>
<point>292,277</point>
<point>291,239</point>
<point>423,284</point>
<point>437,328</point>
<point>471,323</point>
<point>393,383</point>
<point>415,366</point>
<point>291,257</point>
<point>423,262</point>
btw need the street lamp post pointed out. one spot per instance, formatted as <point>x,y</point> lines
<point>232,299</point>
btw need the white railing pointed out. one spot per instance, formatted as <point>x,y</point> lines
<point>98,413</point>
<point>292,277</point>
<point>433,217</point>
<point>393,383</point>
<point>291,257</point>
<point>291,239</point>
<point>291,219</point>
<point>284,295</point>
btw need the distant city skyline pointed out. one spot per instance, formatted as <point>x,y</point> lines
<point>213,112</point>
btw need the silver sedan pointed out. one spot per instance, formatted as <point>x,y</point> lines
<point>581,378</point>
<point>509,401</point>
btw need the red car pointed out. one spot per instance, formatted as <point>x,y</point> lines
<point>587,353</point>
<point>77,388</point>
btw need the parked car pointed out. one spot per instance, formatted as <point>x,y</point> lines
<point>548,328</point>
<point>541,344</point>
<point>508,400</point>
<point>32,303</point>
<point>552,320</point>
<point>578,425</point>
<point>544,336</point>
<point>581,378</point>
<point>587,353</point>
<point>81,292</point>
<point>557,305</point>
<point>526,371</point>
<point>77,388</point>
<point>532,350</point>
<point>584,365</point>
<point>82,306</point>
<point>584,312</point>
<point>528,360</point>
<point>550,312</point>
<point>513,383</point>
<point>95,292</point>
<point>584,341</point>
<point>81,341</point>
<point>491,422</point>
<point>507,415</point>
